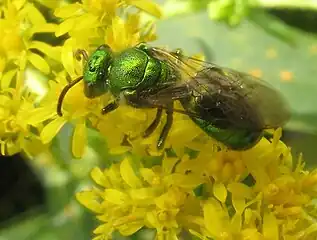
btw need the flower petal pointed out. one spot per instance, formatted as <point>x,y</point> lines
<point>65,27</point>
<point>143,193</point>
<point>44,28</point>
<point>130,228</point>
<point>85,22</point>
<point>147,6</point>
<point>34,15</point>
<point>220,191</point>
<point>186,181</point>
<point>79,139</point>
<point>115,196</point>
<point>148,175</point>
<point>7,79</point>
<point>236,223</point>
<point>105,230</point>
<point>68,10</point>
<point>18,4</point>
<point>39,115</point>
<point>88,199</point>
<point>128,174</point>
<point>68,57</point>
<point>51,129</point>
<point>270,227</point>
<point>168,164</point>
<point>214,217</point>
<point>240,190</point>
<point>39,62</point>
<point>119,150</point>
<point>99,178</point>
<point>50,51</point>
<point>238,204</point>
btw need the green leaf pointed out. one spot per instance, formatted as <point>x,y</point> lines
<point>25,225</point>
<point>275,27</point>
<point>41,226</point>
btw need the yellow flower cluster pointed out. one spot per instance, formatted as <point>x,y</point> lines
<point>210,193</point>
<point>98,22</point>
<point>256,194</point>
<point>20,21</point>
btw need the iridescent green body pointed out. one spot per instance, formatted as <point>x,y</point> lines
<point>134,69</point>
<point>236,139</point>
<point>146,77</point>
<point>95,73</point>
<point>130,72</point>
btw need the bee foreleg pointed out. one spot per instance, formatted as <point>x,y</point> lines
<point>166,128</point>
<point>154,124</point>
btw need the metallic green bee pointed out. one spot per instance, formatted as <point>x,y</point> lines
<point>231,107</point>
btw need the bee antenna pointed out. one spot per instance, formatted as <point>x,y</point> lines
<point>63,94</point>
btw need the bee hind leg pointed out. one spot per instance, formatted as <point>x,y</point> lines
<point>154,124</point>
<point>166,128</point>
<point>110,107</point>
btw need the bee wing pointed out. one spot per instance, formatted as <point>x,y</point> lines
<point>269,103</point>
<point>239,100</point>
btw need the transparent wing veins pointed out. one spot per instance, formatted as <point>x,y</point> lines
<point>240,92</point>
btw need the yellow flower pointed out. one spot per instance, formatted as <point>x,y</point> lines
<point>276,203</point>
<point>92,14</point>
<point>204,189</point>
<point>119,34</point>
<point>114,126</point>
<point>289,196</point>
<point>19,21</point>
<point>155,197</point>
<point>75,109</point>
<point>124,34</point>
<point>97,21</point>
<point>219,225</point>
<point>15,134</point>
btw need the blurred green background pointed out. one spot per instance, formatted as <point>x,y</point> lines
<point>277,44</point>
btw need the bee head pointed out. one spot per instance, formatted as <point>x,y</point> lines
<point>96,72</point>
